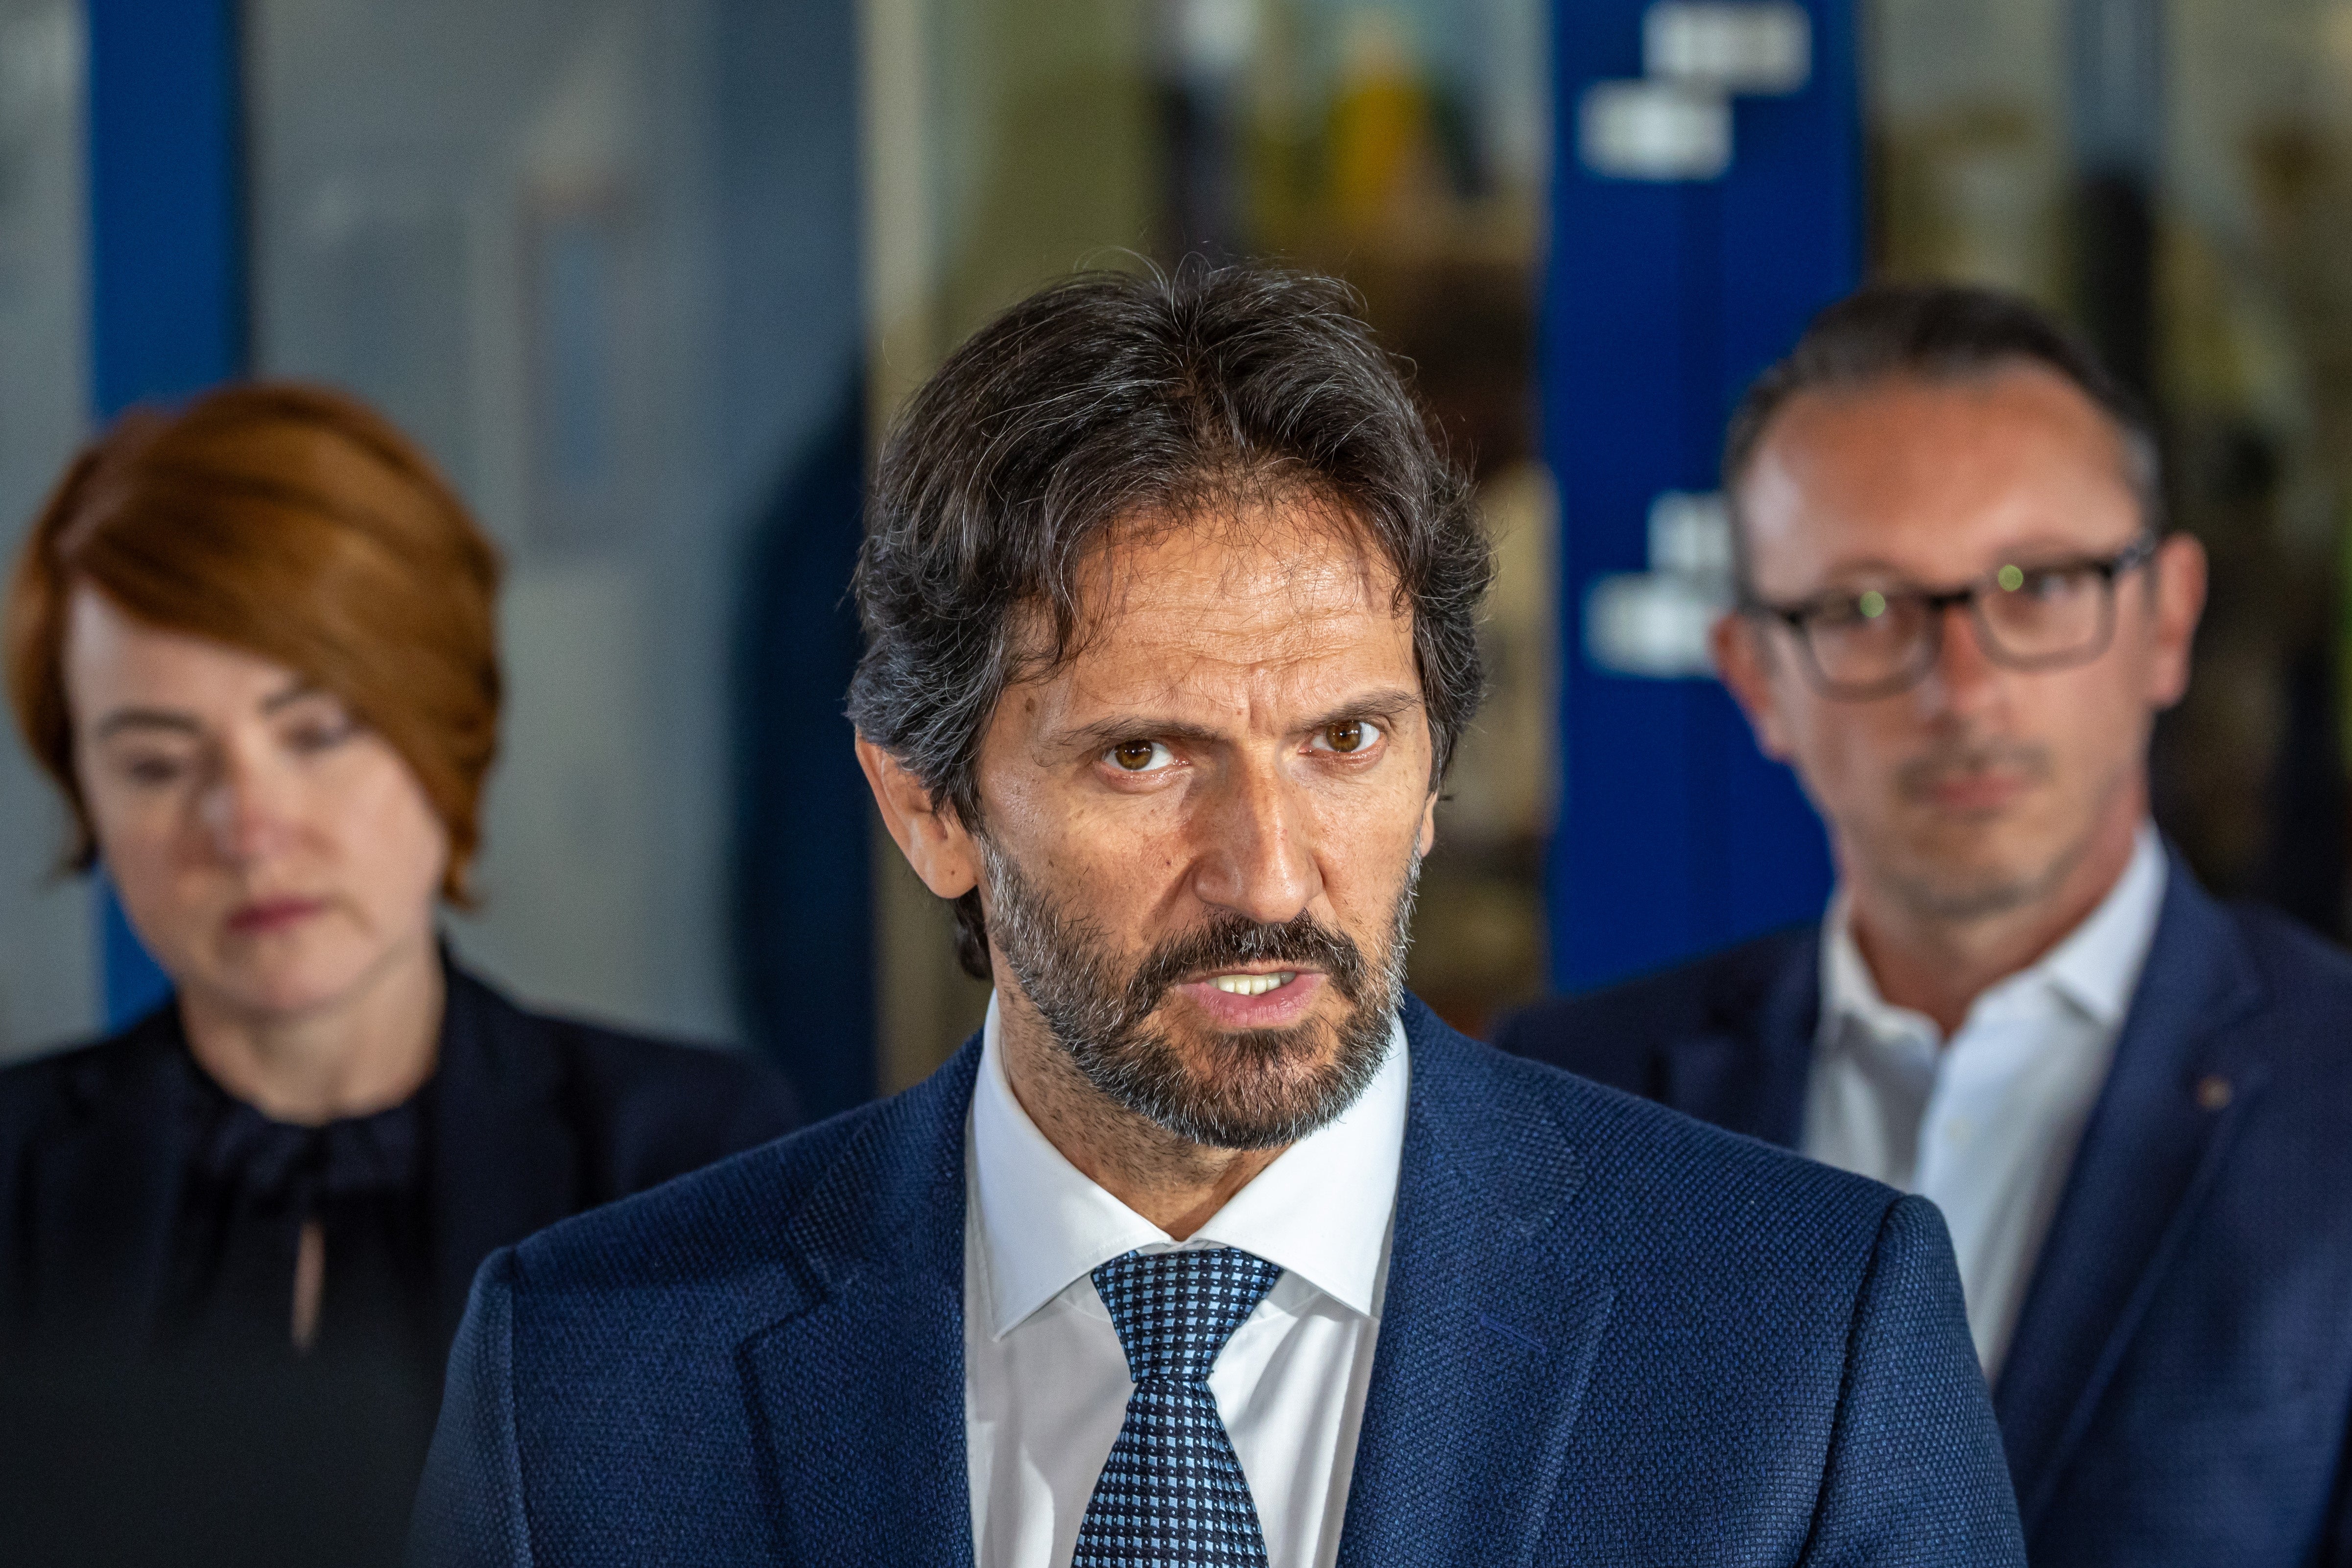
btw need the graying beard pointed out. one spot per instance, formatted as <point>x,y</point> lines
<point>1061,962</point>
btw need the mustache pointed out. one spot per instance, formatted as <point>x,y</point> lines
<point>1227,941</point>
<point>1918,778</point>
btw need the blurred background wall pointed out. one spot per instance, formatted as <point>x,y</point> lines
<point>601,257</point>
<point>650,278</point>
<point>2177,176</point>
<point>48,953</point>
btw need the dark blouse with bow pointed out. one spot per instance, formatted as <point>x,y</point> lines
<point>222,1337</point>
<point>312,1237</point>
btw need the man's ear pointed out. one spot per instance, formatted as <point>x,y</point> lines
<point>1744,663</point>
<point>2179,578</point>
<point>928,834</point>
<point>1429,822</point>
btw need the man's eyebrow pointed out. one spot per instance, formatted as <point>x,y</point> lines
<point>1103,732</point>
<point>1371,705</point>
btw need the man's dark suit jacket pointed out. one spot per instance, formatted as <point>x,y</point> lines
<point>2178,1388</point>
<point>1611,1335</point>
<point>138,1459</point>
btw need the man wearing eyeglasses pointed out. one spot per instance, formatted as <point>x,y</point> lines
<point>1958,618</point>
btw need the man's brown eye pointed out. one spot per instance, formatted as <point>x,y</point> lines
<point>1347,735</point>
<point>1133,755</point>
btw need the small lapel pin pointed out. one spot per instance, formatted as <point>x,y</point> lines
<point>2213,1092</point>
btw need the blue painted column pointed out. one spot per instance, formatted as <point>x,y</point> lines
<point>1662,300</point>
<point>167,262</point>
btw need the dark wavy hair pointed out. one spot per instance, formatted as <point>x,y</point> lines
<point>1110,397</point>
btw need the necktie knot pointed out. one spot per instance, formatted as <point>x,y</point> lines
<point>1171,1494</point>
<point>1175,1310</point>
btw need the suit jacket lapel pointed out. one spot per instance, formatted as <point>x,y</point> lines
<point>504,1160</point>
<point>107,1189</point>
<point>1483,1354</point>
<point>1746,1069</point>
<point>857,1391</point>
<point>2151,1148</point>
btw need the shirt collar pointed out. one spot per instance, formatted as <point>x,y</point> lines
<point>2096,967</point>
<point>1850,992</point>
<point>1320,1211</point>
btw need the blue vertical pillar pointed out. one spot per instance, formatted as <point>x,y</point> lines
<point>167,273</point>
<point>1663,300</point>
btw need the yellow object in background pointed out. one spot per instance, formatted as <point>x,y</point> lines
<point>1380,156</point>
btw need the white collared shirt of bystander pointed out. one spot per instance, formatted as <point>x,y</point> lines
<point>1045,1380</point>
<point>1986,1124</point>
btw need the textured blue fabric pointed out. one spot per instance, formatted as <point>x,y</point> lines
<point>1172,1491</point>
<point>1610,1335</point>
<point>2179,1385</point>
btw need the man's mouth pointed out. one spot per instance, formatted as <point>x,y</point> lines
<point>1256,998</point>
<point>1253,985</point>
<point>1981,790</point>
<point>1981,779</point>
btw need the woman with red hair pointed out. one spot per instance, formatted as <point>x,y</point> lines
<point>254,644</point>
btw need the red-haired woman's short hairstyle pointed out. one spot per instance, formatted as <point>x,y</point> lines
<point>291,521</point>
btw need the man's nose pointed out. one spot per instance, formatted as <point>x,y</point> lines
<point>1258,860</point>
<point>1964,676</point>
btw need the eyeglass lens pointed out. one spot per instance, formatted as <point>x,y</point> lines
<point>2028,616</point>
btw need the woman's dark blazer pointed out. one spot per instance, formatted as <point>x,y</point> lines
<point>108,1455</point>
<point>534,1119</point>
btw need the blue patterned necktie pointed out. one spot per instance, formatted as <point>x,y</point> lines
<point>1172,1491</point>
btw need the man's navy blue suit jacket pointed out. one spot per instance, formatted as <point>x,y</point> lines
<point>1612,1335</point>
<point>2178,1388</point>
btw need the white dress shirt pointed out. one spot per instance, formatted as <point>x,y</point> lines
<point>1045,1380</point>
<point>1986,1124</point>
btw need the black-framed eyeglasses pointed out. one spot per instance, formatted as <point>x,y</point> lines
<point>1861,643</point>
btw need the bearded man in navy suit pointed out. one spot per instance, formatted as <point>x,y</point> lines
<point>1213,1247</point>
<point>1960,616</point>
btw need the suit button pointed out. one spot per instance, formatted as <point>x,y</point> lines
<point>2213,1092</point>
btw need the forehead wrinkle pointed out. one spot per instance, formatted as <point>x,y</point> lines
<point>1220,617</point>
<point>1256,643</point>
<point>1178,681</point>
<point>1162,669</point>
<point>1299,546</point>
